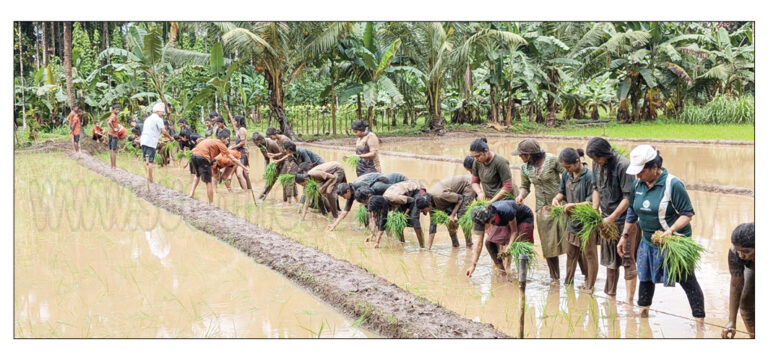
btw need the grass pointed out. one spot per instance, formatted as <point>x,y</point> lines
<point>620,150</point>
<point>465,221</point>
<point>270,173</point>
<point>361,216</point>
<point>519,248</point>
<point>352,161</point>
<point>681,255</point>
<point>440,217</point>
<point>312,192</point>
<point>396,223</point>
<point>665,129</point>
<point>285,179</point>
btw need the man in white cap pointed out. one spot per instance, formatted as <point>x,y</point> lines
<point>150,135</point>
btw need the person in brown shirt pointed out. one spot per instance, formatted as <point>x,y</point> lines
<point>367,148</point>
<point>113,131</point>
<point>327,174</point>
<point>402,198</point>
<point>268,148</point>
<point>74,129</point>
<point>224,168</point>
<point>451,195</point>
<point>202,159</point>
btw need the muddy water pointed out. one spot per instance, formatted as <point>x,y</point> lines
<point>91,260</point>
<point>552,310</point>
<point>693,163</point>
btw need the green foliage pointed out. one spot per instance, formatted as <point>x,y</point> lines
<point>620,150</point>
<point>183,154</point>
<point>558,212</point>
<point>722,109</point>
<point>519,248</point>
<point>440,217</point>
<point>589,219</point>
<point>285,179</point>
<point>83,56</point>
<point>352,161</point>
<point>312,192</point>
<point>465,221</point>
<point>396,223</point>
<point>681,256</point>
<point>361,216</point>
<point>270,173</point>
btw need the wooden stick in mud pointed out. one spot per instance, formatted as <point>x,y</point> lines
<point>522,278</point>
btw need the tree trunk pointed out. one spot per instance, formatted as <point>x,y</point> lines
<point>436,123</point>
<point>492,113</point>
<point>68,63</point>
<point>21,77</point>
<point>370,117</point>
<point>508,108</point>
<point>37,48</point>
<point>276,103</point>
<point>173,34</point>
<point>333,98</point>
<point>359,108</point>
<point>622,115</point>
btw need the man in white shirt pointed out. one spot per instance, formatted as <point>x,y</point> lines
<point>150,135</point>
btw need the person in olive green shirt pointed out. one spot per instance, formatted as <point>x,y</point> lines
<point>542,170</point>
<point>452,195</point>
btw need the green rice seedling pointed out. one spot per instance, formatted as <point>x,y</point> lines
<point>440,217</point>
<point>285,179</point>
<point>465,221</point>
<point>519,248</point>
<point>352,161</point>
<point>361,216</point>
<point>620,150</point>
<point>681,255</point>
<point>312,192</point>
<point>396,223</point>
<point>270,173</point>
<point>590,220</point>
<point>558,212</point>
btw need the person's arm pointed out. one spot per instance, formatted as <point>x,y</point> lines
<point>456,207</point>
<point>525,187</point>
<point>381,222</point>
<point>342,215</point>
<point>432,229</point>
<point>596,200</point>
<point>236,161</point>
<point>505,189</point>
<point>512,236</point>
<point>165,133</point>
<point>737,285</point>
<point>477,189</point>
<point>559,197</point>
<point>373,146</point>
<point>618,211</point>
<point>477,248</point>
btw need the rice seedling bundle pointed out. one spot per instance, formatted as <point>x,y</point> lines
<point>440,217</point>
<point>558,212</point>
<point>312,192</point>
<point>681,255</point>
<point>285,179</point>
<point>270,173</point>
<point>519,248</point>
<point>352,161</point>
<point>361,216</point>
<point>590,221</point>
<point>396,223</point>
<point>465,221</point>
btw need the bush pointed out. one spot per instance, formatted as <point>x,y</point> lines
<point>722,109</point>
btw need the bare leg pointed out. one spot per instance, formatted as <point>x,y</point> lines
<point>195,181</point>
<point>209,190</point>
<point>241,178</point>
<point>113,158</point>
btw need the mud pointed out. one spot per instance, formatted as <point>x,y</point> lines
<point>382,306</point>
<point>730,190</point>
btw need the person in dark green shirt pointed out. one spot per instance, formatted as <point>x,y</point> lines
<point>658,201</point>
<point>611,196</point>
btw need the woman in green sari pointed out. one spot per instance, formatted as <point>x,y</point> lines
<point>543,171</point>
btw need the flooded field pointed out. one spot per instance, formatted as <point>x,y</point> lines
<point>92,260</point>
<point>693,163</point>
<point>552,310</point>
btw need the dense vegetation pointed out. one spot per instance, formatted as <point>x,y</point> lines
<point>315,77</point>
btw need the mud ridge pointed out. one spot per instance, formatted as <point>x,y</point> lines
<point>722,189</point>
<point>478,134</point>
<point>380,305</point>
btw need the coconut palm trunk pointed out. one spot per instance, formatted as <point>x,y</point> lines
<point>68,63</point>
<point>276,103</point>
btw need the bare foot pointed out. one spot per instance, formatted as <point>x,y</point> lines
<point>644,312</point>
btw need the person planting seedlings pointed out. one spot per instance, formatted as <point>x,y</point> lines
<point>400,197</point>
<point>576,186</point>
<point>510,220</point>
<point>113,130</point>
<point>362,188</point>
<point>299,156</point>
<point>241,138</point>
<point>491,176</point>
<point>97,132</point>
<point>224,167</point>
<point>326,176</point>
<point>543,171</point>
<point>465,221</point>
<point>188,139</point>
<point>450,196</point>
<point>201,161</point>
<point>366,149</point>
<point>741,263</point>
<point>658,201</point>
<point>611,195</point>
<point>268,148</point>
<point>150,135</point>
<point>282,160</point>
